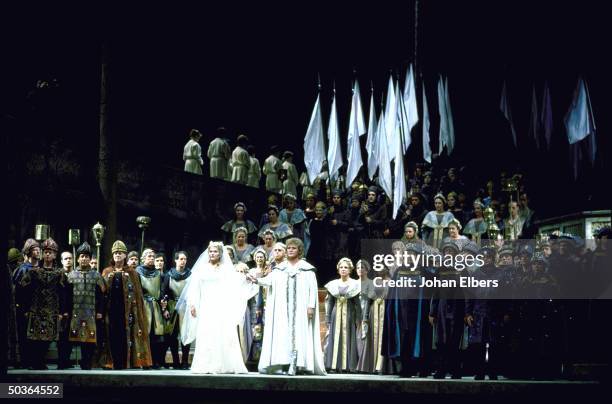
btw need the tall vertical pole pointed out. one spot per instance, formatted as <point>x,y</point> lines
<point>107,175</point>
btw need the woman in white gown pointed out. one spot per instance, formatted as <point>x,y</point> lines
<point>214,301</point>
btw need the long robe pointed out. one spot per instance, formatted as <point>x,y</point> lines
<point>271,168</point>
<point>405,323</point>
<point>231,225</point>
<point>241,163</point>
<point>475,228</point>
<point>254,173</point>
<point>343,315</point>
<point>244,256</point>
<point>307,187</point>
<point>219,296</point>
<point>291,340</point>
<point>219,155</point>
<point>295,219</point>
<point>435,227</point>
<point>46,304</point>
<point>192,154</point>
<point>290,183</point>
<point>373,312</point>
<point>282,231</point>
<point>125,318</point>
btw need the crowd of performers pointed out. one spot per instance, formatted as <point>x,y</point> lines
<point>124,316</point>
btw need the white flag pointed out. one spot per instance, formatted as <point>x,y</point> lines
<point>443,138</point>
<point>391,117</point>
<point>450,144</point>
<point>314,146</point>
<point>334,152</point>
<point>426,146</point>
<point>410,104</point>
<point>356,128</point>
<point>504,105</point>
<point>372,142</point>
<point>384,163</point>
<point>399,185</point>
<point>579,121</point>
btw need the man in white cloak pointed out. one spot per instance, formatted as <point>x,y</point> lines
<point>292,340</point>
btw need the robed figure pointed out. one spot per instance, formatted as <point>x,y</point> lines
<point>214,302</point>
<point>292,341</point>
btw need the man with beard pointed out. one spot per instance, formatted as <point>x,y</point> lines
<point>373,214</point>
<point>172,287</point>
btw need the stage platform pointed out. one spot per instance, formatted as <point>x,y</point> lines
<point>172,386</point>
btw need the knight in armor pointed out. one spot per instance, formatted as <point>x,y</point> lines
<point>46,307</point>
<point>86,298</point>
<point>173,284</point>
<point>151,281</point>
<point>127,336</point>
<point>64,347</point>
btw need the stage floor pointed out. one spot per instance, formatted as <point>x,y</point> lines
<point>118,386</point>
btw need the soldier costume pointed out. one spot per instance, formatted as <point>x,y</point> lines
<point>86,304</point>
<point>173,284</point>
<point>45,309</point>
<point>151,282</point>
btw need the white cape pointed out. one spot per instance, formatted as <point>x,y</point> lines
<point>283,320</point>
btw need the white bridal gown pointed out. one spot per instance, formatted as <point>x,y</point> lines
<point>219,295</point>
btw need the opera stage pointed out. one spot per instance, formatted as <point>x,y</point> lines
<point>170,386</point>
